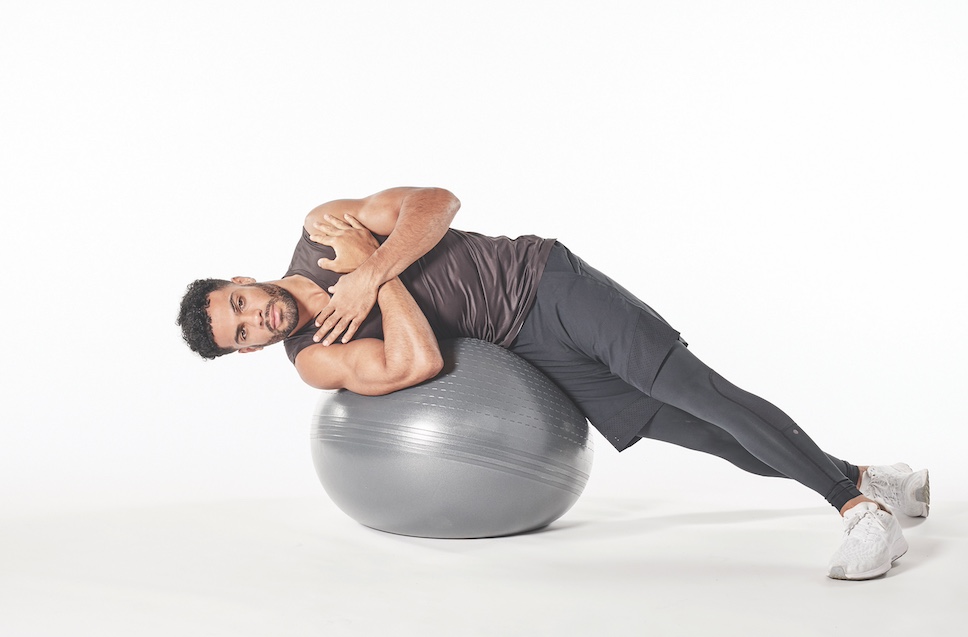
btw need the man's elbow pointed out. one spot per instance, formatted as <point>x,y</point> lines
<point>433,366</point>
<point>454,202</point>
<point>417,371</point>
<point>446,199</point>
<point>422,369</point>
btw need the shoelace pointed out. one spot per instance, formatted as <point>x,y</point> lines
<point>865,531</point>
<point>885,490</point>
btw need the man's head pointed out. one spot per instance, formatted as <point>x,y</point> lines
<point>220,317</point>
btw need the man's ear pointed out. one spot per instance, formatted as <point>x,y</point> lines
<point>243,280</point>
<point>246,350</point>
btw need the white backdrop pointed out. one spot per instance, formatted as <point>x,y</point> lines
<point>783,181</point>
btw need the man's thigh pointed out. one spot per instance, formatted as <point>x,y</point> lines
<point>617,409</point>
<point>581,315</point>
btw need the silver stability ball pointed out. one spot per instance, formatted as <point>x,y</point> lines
<point>489,447</point>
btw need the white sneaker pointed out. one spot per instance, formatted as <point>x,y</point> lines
<point>872,542</point>
<point>900,488</point>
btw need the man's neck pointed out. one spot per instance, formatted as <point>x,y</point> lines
<point>310,298</point>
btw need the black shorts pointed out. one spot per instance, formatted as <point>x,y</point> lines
<point>597,342</point>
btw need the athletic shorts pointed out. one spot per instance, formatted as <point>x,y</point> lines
<point>602,346</point>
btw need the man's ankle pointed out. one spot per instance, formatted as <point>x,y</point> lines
<point>858,500</point>
<point>861,472</point>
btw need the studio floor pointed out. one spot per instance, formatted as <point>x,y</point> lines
<point>611,566</point>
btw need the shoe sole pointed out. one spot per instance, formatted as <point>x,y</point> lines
<point>922,496</point>
<point>898,550</point>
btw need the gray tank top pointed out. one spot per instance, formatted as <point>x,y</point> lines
<point>468,285</point>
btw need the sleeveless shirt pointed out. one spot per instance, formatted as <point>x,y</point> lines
<point>467,285</point>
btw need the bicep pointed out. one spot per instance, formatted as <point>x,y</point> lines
<point>336,208</point>
<point>378,212</point>
<point>359,366</point>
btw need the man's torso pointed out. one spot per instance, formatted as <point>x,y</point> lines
<point>467,285</point>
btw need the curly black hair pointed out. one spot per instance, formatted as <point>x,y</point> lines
<point>195,322</point>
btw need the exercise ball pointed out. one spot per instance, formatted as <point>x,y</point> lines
<point>489,447</point>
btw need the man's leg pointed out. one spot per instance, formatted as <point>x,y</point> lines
<point>761,428</point>
<point>679,428</point>
<point>586,314</point>
<point>584,322</point>
<point>898,486</point>
<point>872,540</point>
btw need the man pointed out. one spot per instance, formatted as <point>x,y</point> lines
<point>374,282</point>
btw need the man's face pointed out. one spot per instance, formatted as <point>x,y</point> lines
<point>249,317</point>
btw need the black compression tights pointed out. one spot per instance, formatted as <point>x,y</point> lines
<point>704,411</point>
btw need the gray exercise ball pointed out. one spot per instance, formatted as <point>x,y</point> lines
<point>489,447</point>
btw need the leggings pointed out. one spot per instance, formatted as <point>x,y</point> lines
<point>704,411</point>
<point>685,430</point>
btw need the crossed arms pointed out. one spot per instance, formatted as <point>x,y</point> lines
<point>414,220</point>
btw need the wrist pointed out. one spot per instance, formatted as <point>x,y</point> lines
<point>373,272</point>
<point>390,286</point>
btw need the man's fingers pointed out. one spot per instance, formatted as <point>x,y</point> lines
<point>331,324</point>
<point>324,227</point>
<point>333,265</point>
<point>351,331</point>
<point>353,221</point>
<point>336,222</point>
<point>332,327</point>
<point>325,332</point>
<point>335,333</point>
<point>327,325</point>
<point>323,315</point>
<point>320,333</point>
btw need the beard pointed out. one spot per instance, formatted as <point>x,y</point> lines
<point>288,310</point>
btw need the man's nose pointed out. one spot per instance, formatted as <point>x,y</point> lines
<point>255,317</point>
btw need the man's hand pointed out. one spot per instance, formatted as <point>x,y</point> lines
<point>354,294</point>
<point>352,242</point>
<point>413,219</point>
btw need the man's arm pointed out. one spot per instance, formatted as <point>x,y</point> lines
<point>407,356</point>
<point>413,219</point>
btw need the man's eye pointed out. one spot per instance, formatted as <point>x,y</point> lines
<point>241,302</point>
<point>242,334</point>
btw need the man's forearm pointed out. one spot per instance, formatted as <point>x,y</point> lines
<point>410,346</point>
<point>424,218</point>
